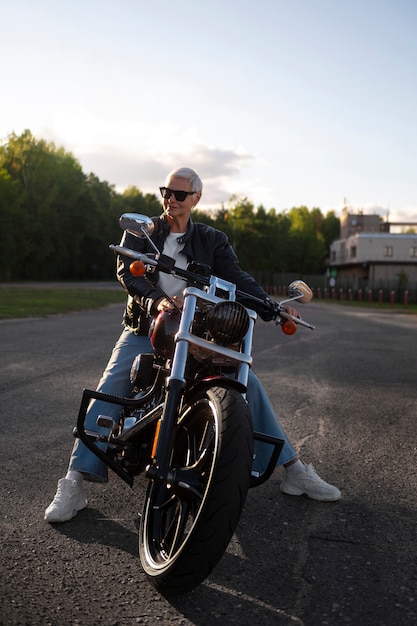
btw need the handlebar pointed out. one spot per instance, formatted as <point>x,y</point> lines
<point>167,264</point>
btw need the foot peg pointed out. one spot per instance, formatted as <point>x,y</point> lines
<point>106,422</point>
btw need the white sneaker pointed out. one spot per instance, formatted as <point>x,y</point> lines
<point>308,482</point>
<point>69,499</point>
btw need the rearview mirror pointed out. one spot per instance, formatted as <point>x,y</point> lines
<point>137,224</point>
<point>300,290</point>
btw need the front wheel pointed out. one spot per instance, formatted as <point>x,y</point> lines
<point>187,522</point>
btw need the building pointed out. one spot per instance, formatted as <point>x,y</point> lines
<point>368,255</point>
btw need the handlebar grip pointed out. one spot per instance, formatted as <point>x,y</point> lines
<point>297,320</point>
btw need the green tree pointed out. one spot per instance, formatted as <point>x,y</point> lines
<point>331,228</point>
<point>132,200</point>
<point>238,224</point>
<point>12,224</point>
<point>307,249</point>
<point>50,182</point>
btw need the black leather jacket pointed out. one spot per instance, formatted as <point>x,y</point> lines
<point>202,244</point>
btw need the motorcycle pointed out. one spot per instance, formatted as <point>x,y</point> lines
<point>187,426</point>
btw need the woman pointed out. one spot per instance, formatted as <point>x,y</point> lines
<point>176,235</point>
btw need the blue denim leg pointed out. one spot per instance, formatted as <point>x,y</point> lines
<point>115,380</point>
<point>265,421</point>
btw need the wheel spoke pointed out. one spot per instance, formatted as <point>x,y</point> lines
<point>173,515</point>
<point>176,530</point>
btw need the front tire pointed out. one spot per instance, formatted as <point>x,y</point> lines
<point>187,523</point>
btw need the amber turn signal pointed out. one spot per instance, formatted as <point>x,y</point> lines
<point>137,268</point>
<point>156,436</point>
<point>289,327</point>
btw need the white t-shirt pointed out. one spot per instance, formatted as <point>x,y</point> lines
<point>171,285</point>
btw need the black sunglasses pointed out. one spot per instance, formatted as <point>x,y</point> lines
<point>180,196</point>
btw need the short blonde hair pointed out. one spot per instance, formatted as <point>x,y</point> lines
<point>189,174</point>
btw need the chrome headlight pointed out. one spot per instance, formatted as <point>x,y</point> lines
<point>227,322</point>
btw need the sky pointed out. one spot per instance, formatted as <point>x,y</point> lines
<point>287,103</point>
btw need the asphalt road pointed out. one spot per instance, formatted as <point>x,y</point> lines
<point>346,394</point>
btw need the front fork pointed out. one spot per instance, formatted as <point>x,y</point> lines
<point>159,468</point>
<point>164,435</point>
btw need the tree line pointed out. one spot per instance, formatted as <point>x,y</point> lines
<point>56,222</point>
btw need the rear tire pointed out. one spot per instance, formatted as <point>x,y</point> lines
<point>184,532</point>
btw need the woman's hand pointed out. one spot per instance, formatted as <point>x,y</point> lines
<point>165,305</point>
<point>291,311</point>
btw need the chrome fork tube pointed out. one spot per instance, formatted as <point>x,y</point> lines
<point>176,382</point>
<point>181,347</point>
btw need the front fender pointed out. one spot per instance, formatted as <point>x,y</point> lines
<point>218,379</point>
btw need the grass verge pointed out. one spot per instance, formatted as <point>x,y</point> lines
<point>18,302</point>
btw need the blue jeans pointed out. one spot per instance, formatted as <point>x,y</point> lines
<point>115,381</point>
